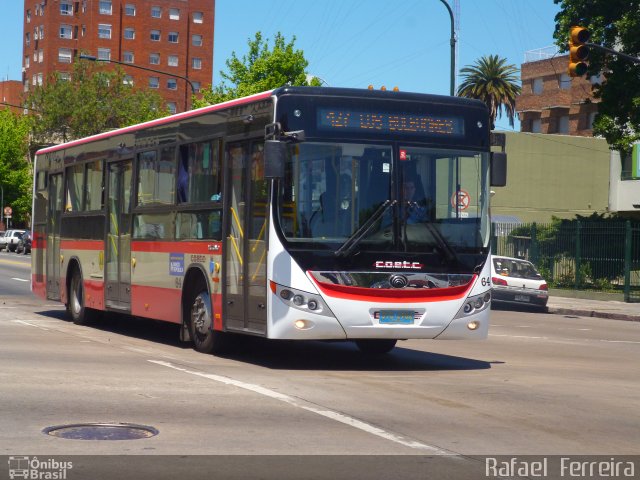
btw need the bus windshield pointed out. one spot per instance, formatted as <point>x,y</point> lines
<point>346,196</point>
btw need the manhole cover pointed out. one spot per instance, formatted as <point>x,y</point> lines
<point>101,431</point>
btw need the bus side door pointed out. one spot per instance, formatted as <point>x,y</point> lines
<point>245,288</point>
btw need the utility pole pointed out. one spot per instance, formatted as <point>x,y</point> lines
<point>452,41</point>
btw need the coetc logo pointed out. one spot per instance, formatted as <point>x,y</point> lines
<point>34,468</point>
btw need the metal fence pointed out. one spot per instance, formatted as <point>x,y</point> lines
<point>597,256</point>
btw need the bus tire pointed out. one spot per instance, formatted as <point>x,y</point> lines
<point>376,346</point>
<point>205,338</point>
<point>80,314</point>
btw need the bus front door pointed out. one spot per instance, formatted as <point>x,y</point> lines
<point>245,288</point>
<point>118,247</point>
<point>56,200</point>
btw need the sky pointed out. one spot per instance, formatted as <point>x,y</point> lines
<point>356,43</point>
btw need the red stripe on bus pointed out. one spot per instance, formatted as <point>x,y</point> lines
<point>82,244</point>
<point>394,295</point>
<point>156,302</point>
<point>206,248</point>
<point>94,294</point>
<point>159,121</point>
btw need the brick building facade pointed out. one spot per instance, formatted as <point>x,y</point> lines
<point>552,101</point>
<point>172,36</point>
<point>11,94</point>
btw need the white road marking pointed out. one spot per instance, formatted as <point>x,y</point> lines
<point>304,405</point>
<point>30,324</point>
<point>619,341</point>
<point>19,279</point>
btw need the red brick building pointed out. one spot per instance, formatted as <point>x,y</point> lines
<point>172,36</point>
<point>11,94</point>
<point>552,101</point>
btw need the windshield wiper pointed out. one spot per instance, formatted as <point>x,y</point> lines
<point>443,245</point>
<point>350,244</point>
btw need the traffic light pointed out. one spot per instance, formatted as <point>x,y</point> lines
<point>578,51</point>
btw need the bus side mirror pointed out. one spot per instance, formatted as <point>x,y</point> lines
<point>275,155</point>
<point>498,169</point>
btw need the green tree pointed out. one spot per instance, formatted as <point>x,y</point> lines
<point>15,168</point>
<point>494,82</point>
<point>261,69</point>
<point>94,99</point>
<point>614,24</point>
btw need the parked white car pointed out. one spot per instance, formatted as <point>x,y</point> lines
<point>517,281</point>
<point>10,240</point>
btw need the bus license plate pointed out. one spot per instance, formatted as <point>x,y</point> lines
<point>396,317</point>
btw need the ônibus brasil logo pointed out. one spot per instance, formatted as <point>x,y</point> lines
<point>401,264</point>
<point>33,468</point>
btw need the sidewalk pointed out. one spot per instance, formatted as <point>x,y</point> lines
<point>594,308</point>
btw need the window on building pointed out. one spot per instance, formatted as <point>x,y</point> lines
<point>196,40</point>
<point>154,58</point>
<point>565,81</point>
<point>129,33</point>
<point>128,80</point>
<point>35,56</point>
<point>66,8</point>
<point>66,31</point>
<point>196,63</point>
<point>105,7</point>
<point>591,119</point>
<point>563,124</point>
<point>130,10</point>
<point>174,14</point>
<point>172,84</point>
<point>40,56</point>
<point>172,60</point>
<point>27,61</point>
<point>536,125</point>
<point>172,107</point>
<point>28,16</point>
<point>27,39</point>
<point>64,76</point>
<point>197,17</point>
<point>155,35</point>
<point>127,57</point>
<point>154,82</point>
<point>536,86</point>
<point>65,55</point>
<point>40,77</point>
<point>104,31</point>
<point>104,54</point>
<point>173,37</point>
<point>156,12</point>
<point>196,86</point>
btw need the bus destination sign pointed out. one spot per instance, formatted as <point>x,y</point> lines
<point>389,122</point>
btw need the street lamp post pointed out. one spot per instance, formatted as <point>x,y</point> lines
<point>91,58</point>
<point>453,49</point>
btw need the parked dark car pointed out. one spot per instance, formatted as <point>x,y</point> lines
<point>24,244</point>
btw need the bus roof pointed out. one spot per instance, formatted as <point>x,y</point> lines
<point>320,91</point>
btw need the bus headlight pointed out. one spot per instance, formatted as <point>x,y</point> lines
<point>473,305</point>
<point>300,300</point>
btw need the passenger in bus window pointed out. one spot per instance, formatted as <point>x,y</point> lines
<point>414,210</point>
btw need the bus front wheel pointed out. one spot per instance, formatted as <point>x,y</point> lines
<point>76,307</point>
<point>205,339</point>
<point>376,346</point>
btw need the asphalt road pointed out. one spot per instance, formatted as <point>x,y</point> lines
<point>15,274</point>
<point>540,385</point>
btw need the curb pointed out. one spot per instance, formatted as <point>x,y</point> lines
<point>593,313</point>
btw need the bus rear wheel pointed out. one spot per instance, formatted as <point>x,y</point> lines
<point>376,346</point>
<point>205,339</point>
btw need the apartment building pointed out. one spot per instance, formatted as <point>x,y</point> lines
<point>174,37</point>
<point>551,100</point>
<point>11,95</point>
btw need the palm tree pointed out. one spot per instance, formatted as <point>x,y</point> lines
<point>493,82</point>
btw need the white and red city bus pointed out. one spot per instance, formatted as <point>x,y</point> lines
<point>298,213</point>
